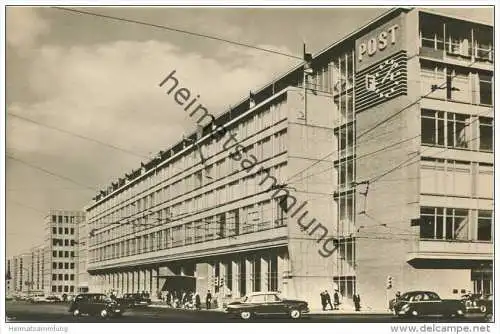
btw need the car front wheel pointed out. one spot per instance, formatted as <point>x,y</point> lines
<point>76,313</point>
<point>104,313</point>
<point>295,314</point>
<point>482,309</point>
<point>245,315</point>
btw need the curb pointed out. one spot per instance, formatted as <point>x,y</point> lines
<point>312,312</point>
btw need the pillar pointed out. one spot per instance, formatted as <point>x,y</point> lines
<point>147,280</point>
<point>248,275</point>
<point>141,280</point>
<point>280,272</point>
<point>154,277</point>
<point>222,275</point>
<point>264,274</point>
<point>235,278</point>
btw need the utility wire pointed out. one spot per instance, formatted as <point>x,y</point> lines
<point>49,172</point>
<point>78,135</point>
<point>163,27</point>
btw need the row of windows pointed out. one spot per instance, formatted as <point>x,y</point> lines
<point>63,242</point>
<point>455,224</point>
<point>247,186</point>
<point>194,181</point>
<point>456,178</point>
<point>64,254</point>
<point>62,219</point>
<point>456,84</point>
<point>456,39</point>
<point>63,265</point>
<point>249,219</point>
<point>65,230</point>
<point>63,288</point>
<point>250,126</point>
<point>63,277</point>
<point>454,130</point>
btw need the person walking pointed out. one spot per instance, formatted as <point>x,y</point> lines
<point>197,301</point>
<point>336,300</point>
<point>328,300</point>
<point>357,302</point>
<point>323,300</point>
<point>208,300</point>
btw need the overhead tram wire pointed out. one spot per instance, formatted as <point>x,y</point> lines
<point>78,135</point>
<point>62,177</point>
<point>182,31</point>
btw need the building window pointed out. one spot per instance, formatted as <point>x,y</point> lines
<point>456,130</point>
<point>440,223</point>
<point>72,254</point>
<point>485,89</point>
<point>66,242</point>
<point>61,254</point>
<point>346,285</point>
<point>54,253</point>
<point>66,288</point>
<point>54,277</point>
<point>59,287</point>
<point>432,127</point>
<point>486,134</point>
<point>60,277</point>
<point>54,288</point>
<point>485,226</point>
<point>72,230</point>
<point>60,229</point>
<point>72,277</point>
<point>54,230</point>
<point>66,265</point>
<point>71,289</point>
<point>54,265</point>
<point>66,230</point>
<point>66,277</point>
<point>66,254</point>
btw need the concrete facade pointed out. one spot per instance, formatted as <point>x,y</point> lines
<point>339,185</point>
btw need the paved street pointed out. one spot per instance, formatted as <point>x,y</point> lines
<point>26,312</point>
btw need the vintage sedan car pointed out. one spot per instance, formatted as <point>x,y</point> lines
<point>265,304</point>
<point>485,305</point>
<point>95,304</point>
<point>135,299</point>
<point>422,303</point>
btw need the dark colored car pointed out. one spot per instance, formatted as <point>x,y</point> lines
<point>53,299</point>
<point>485,305</point>
<point>135,299</point>
<point>95,304</point>
<point>421,303</point>
<point>266,303</point>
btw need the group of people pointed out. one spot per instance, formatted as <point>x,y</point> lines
<point>327,301</point>
<point>186,299</point>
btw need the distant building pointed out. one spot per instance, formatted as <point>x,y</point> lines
<point>81,254</point>
<point>60,260</point>
<point>9,288</point>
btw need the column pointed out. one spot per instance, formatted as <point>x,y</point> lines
<point>248,275</point>
<point>142,280</point>
<point>236,278</point>
<point>223,276</point>
<point>264,274</point>
<point>127,282</point>
<point>133,281</point>
<point>155,287</point>
<point>280,271</point>
<point>147,280</point>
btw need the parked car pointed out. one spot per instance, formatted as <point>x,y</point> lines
<point>52,299</point>
<point>95,304</point>
<point>485,305</point>
<point>134,299</point>
<point>421,303</point>
<point>266,303</point>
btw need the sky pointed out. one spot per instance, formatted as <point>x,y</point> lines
<point>83,103</point>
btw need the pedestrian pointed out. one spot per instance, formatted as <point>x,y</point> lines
<point>197,301</point>
<point>328,300</point>
<point>208,300</point>
<point>323,300</point>
<point>357,302</point>
<point>336,300</point>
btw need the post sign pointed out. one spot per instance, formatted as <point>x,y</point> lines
<point>380,43</point>
<point>381,82</point>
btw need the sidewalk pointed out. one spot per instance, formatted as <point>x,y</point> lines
<point>312,311</point>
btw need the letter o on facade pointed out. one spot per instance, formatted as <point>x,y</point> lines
<point>372,46</point>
